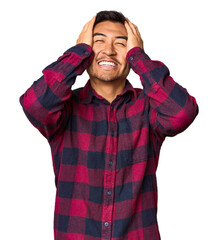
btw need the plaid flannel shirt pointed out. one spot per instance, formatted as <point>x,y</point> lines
<point>105,155</point>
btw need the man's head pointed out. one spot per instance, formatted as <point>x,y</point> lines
<point>110,48</point>
<point>112,16</point>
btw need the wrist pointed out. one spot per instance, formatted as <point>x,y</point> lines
<point>80,48</point>
<point>135,54</point>
<point>132,50</point>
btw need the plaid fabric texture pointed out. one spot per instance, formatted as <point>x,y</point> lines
<point>105,155</point>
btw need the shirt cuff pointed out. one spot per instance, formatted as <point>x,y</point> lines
<point>83,50</point>
<point>135,54</point>
<point>80,49</point>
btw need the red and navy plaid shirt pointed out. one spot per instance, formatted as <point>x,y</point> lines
<point>105,155</point>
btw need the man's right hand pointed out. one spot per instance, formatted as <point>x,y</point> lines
<point>86,35</point>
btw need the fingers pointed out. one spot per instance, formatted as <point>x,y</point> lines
<point>133,27</point>
<point>86,33</point>
<point>134,36</point>
<point>128,28</point>
<point>89,24</point>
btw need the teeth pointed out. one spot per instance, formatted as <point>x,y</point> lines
<point>107,64</point>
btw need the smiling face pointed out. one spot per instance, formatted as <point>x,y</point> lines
<point>109,46</point>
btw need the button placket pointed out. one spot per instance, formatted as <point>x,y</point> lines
<point>109,193</point>
<point>106,224</point>
<point>109,177</point>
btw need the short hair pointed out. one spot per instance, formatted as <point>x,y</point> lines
<point>112,16</point>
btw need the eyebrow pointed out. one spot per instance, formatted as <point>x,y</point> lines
<point>103,35</point>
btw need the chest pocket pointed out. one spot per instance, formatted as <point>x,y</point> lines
<point>130,157</point>
<point>139,154</point>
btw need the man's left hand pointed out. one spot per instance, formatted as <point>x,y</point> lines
<point>134,36</point>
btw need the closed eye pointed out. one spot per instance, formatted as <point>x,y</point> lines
<point>121,44</point>
<point>99,41</point>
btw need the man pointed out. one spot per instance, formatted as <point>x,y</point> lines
<point>106,137</point>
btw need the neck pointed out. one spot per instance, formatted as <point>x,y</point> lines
<point>108,90</point>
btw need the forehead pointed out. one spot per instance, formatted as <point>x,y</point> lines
<point>110,28</point>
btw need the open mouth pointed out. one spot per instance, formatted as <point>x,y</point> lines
<point>105,63</point>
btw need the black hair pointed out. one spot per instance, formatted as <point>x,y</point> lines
<point>112,16</point>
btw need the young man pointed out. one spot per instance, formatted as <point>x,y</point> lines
<point>106,137</point>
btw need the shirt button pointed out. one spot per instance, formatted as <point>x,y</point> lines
<point>111,163</point>
<point>131,58</point>
<point>86,53</point>
<point>109,193</point>
<point>106,224</point>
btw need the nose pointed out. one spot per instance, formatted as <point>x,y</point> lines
<point>109,49</point>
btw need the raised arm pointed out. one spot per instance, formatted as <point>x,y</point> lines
<point>45,103</point>
<point>172,109</point>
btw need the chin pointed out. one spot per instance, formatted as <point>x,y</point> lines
<point>108,78</point>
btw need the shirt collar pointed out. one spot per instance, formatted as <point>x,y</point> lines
<point>87,93</point>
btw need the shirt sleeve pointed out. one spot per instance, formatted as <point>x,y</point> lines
<point>45,103</point>
<point>172,109</point>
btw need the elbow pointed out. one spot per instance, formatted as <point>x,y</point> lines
<point>184,118</point>
<point>21,100</point>
<point>169,125</point>
<point>28,98</point>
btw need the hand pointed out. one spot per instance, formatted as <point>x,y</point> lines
<point>87,32</point>
<point>134,37</point>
